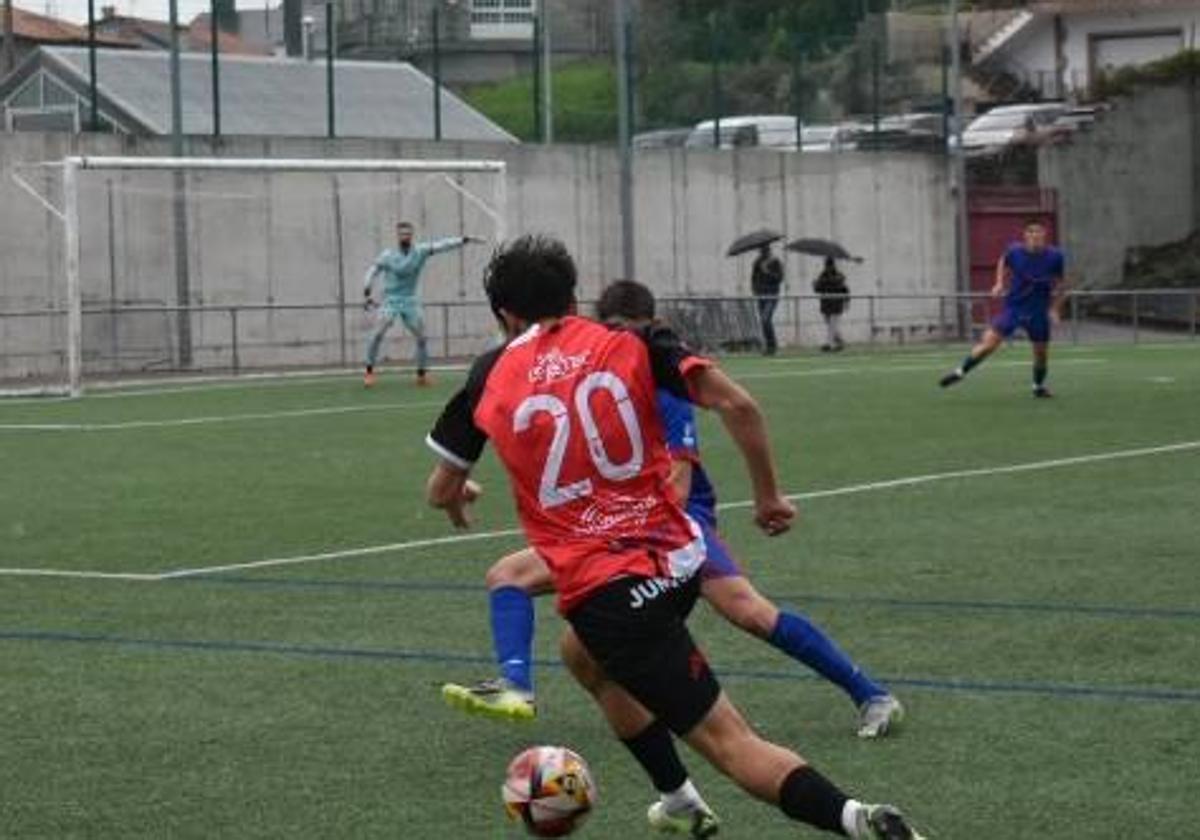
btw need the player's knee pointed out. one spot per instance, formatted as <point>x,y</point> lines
<point>579,662</point>
<point>750,611</point>
<point>499,575</point>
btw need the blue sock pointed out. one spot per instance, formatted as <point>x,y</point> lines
<point>805,642</point>
<point>512,634</point>
<point>1039,375</point>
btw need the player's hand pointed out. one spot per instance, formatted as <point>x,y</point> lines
<point>774,515</point>
<point>459,510</point>
<point>369,305</point>
<point>997,291</point>
<point>1055,315</point>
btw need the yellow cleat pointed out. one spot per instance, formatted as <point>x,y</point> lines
<point>491,698</point>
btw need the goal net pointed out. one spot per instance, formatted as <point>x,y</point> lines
<point>140,267</point>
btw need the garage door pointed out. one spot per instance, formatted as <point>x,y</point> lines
<point>1110,52</point>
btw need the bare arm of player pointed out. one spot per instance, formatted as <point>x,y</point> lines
<point>743,419</point>
<point>1000,287</point>
<point>681,478</point>
<point>450,489</point>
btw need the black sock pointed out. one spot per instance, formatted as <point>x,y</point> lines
<point>1039,374</point>
<point>807,796</point>
<point>370,368</point>
<point>655,751</point>
<point>969,363</point>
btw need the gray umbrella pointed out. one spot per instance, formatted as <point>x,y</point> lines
<point>753,241</point>
<point>821,248</point>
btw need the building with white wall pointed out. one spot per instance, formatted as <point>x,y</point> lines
<point>1060,47</point>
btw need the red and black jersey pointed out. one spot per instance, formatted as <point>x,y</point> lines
<point>572,412</point>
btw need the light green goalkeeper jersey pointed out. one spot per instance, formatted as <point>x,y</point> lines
<point>402,271</point>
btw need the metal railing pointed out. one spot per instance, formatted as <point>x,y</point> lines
<point>235,338</point>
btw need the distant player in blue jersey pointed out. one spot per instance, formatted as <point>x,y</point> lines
<point>1030,279</point>
<point>513,580</point>
<point>401,270</point>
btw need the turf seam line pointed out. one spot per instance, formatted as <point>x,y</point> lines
<point>1102,610</point>
<point>1121,693</point>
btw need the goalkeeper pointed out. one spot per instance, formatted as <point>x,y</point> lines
<point>401,269</point>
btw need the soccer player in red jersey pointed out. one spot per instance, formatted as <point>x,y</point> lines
<point>570,407</point>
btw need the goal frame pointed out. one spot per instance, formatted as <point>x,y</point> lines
<point>74,165</point>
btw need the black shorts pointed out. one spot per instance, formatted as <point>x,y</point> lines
<point>634,627</point>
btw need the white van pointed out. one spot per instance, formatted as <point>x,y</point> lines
<point>767,132</point>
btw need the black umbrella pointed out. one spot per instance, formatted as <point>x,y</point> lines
<point>753,241</point>
<point>821,248</point>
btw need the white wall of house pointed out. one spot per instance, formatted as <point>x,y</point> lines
<point>1095,39</point>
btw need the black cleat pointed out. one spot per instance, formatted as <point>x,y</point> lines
<point>1041,392</point>
<point>887,823</point>
<point>951,378</point>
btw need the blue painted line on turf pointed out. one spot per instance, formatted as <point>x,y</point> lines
<point>1118,693</point>
<point>1117,611</point>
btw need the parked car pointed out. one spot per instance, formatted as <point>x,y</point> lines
<point>828,138</point>
<point>1010,124</point>
<point>667,138</point>
<point>765,131</point>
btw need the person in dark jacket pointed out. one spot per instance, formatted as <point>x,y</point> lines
<point>765,282</point>
<point>831,286</point>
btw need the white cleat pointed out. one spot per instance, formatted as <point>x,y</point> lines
<point>879,716</point>
<point>695,821</point>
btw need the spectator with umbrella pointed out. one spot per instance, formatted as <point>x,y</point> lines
<point>766,279</point>
<point>830,286</point>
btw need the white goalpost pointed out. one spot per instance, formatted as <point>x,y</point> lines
<point>199,265</point>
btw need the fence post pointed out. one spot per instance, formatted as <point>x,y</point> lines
<point>871,317</point>
<point>1195,307</point>
<point>1136,317</point>
<point>445,331</point>
<point>942,320</point>
<point>796,322</point>
<point>233,330</point>
<point>1074,318</point>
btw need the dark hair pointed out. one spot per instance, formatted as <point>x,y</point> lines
<point>1035,223</point>
<point>404,224</point>
<point>532,278</point>
<point>626,299</point>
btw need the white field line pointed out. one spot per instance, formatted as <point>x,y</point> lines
<point>455,539</point>
<point>902,368</point>
<point>201,421</point>
<point>1030,466</point>
<point>68,573</point>
<point>154,387</point>
<point>365,551</point>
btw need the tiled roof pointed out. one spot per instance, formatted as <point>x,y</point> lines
<point>277,97</point>
<point>47,30</point>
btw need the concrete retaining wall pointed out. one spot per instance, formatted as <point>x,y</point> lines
<point>290,239</point>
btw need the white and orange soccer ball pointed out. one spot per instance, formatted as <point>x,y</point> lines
<point>550,790</point>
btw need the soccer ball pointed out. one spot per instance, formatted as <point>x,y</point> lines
<point>550,790</point>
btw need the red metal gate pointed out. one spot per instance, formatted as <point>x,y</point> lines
<point>996,217</point>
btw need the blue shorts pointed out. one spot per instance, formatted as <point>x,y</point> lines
<point>719,562</point>
<point>1036,324</point>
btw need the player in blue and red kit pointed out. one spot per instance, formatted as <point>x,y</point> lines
<point>570,407</point>
<point>514,580</point>
<point>1030,279</point>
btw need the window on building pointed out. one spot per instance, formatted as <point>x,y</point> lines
<point>502,19</point>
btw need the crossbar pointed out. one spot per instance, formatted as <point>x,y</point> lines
<point>287,164</point>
